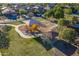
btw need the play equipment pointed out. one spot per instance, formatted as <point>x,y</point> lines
<point>32,28</point>
<point>32,25</point>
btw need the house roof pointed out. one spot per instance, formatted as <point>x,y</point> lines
<point>8,10</point>
<point>3,8</point>
<point>75,15</point>
<point>36,7</point>
<point>76,26</point>
<point>17,6</point>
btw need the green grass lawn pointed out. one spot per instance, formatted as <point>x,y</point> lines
<point>20,22</point>
<point>38,18</point>
<point>20,47</point>
<point>16,22</point>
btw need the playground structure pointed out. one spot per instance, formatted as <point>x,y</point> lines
<point>32,25</point>
<point>32,28</point>
<point>29,29</point>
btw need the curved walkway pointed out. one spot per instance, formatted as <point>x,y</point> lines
<point>21,34</point>
<point>18,31</point>
<point>9,25</point>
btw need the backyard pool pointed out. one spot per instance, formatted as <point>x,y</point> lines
<point>11,16</point>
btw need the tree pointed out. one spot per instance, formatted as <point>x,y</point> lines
<point>76,8</point>
<point>6,28</point>
<point>36,11</point>
<point>63,22</point>
<point>67,34</point>
<point>48,14</point>
<point>3,40</point>
<point>58,12</point>
<point>74,20</point>
<point>22,11</point>
<point>68,11</point>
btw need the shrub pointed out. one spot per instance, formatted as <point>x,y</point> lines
<point>6,28</point>
<point>4,42</point>
<point>67,34</point>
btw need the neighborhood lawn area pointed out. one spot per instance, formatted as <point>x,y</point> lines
<point>16,22</point>
<point>38,18</point>
<point>20,47</point>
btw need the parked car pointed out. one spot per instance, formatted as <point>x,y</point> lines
<point>25,16</point>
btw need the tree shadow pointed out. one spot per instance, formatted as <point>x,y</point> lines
<point>61,45</point>
<point>65,47</point>
<point>45,43</point>
<point>4,43</point>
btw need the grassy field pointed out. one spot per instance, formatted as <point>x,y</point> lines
<point>21,47</point>
<point>20,22</point>
<point>16,22</point>
<point>38,18</point>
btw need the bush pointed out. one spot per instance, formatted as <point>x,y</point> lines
<point>22,11</point>
<point>58,12</point>
<point>4,42</point>
<point>63,22</point>
<point>68,11</point>
<point>74,20</point>
<point>67,34</point>
<point>6,28</point>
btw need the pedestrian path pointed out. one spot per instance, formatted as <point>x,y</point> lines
<point>9,25</point>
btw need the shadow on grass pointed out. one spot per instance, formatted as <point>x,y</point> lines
<point>44,43</point>
<point>67,48</point>
<point>63,46</point>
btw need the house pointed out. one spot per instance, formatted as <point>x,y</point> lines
<point>51,5</point>
<point>40,11</point>
<point>35,7</point>
<point>17,6</point>
<point>26,17</point>
<point>76,27</point>
<point>9,13</point>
